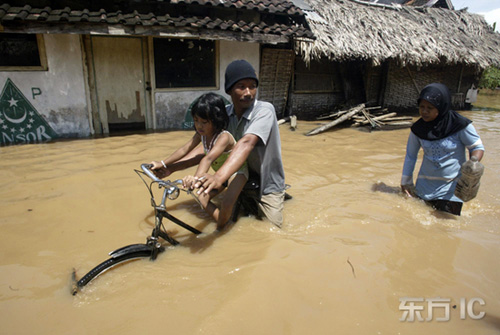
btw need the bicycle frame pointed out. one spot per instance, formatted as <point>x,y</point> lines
<point>171,191</point>
<point>153,245</point>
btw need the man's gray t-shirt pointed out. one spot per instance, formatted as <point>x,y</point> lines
<point>265,158</point>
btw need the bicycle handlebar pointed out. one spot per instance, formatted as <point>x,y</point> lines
<point>171,187</point>
<point>147,170</point>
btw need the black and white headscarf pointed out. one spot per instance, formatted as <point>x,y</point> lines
<point>446,123</point>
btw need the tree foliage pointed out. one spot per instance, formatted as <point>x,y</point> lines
<point>490,78</point>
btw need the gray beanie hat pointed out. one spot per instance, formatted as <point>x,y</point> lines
<point>238,70</point>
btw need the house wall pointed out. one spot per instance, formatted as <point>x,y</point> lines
<point>308,106</point>
<point>276,68</point>
<point>400,93</point>
<point>171,107</point>
<point>57,94</point>
<point>374,77</point>
<point>405,83</point>
<point>60,96</point>
<point>317,89</point>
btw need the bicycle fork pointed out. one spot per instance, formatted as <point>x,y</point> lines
<point>157,233</point>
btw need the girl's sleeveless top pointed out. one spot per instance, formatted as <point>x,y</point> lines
<point>216,164</point>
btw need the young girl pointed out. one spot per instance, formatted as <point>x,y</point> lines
<point>210,121</point>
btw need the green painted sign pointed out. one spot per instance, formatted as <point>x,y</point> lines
<point>19,120</point>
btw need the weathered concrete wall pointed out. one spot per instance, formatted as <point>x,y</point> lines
<point>171,107</point>
<point>57,94</point>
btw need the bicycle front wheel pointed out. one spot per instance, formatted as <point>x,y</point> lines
<point>108,264</point>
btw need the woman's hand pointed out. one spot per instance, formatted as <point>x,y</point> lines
<point>407,190</point>
<point>160,170</point>
<point>478,153</point>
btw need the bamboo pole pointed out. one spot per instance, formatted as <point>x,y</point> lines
<point>341,119</point>
<point>284,120</point>
<point>399,123</point>
<point>293,122</point>
<point>399,118</point>
<point>369,119</point>
<point>378,118</point>
<point>336,114</point>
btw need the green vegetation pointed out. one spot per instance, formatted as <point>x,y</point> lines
<point>490,78</point>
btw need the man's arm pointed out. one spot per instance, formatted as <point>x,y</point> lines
<point>236,159</point>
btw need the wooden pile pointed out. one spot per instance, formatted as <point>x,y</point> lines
<point>292,119</point>
<point>373,117</point>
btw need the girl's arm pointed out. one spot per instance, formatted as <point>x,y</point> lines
<point>221,145</point>
<point>184,150</point>
<point>186,156</point>
<point>177,155</point>
<point>191,159</point>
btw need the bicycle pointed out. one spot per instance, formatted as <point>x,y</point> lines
<point>153,245</point>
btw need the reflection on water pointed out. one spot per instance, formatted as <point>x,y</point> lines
<point>487,100</point>
<point>351,247</point>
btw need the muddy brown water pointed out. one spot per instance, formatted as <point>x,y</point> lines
<point>351,245</point>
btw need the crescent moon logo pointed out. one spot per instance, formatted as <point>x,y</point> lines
<point>20,120</point>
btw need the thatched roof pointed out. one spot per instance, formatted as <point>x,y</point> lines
<point>424,3</point>
<point>349,29</point>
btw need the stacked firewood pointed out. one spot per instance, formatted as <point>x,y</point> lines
<point>361,116</point>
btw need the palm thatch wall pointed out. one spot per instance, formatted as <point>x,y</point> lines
<point>380,54</point>
<point>349,29</point>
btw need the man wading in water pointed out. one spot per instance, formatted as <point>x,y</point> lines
<point>254,125</point>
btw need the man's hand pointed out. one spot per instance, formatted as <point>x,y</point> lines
<point>207,183</point>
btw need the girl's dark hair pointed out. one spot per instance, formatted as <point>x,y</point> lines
<point>211,106</point>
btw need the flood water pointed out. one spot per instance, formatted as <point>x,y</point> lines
<point>351,245</point>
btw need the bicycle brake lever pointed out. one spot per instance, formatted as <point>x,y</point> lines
<point>195,197</point>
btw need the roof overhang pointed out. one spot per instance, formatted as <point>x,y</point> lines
<point>123,30</point>
<point>276,22</point>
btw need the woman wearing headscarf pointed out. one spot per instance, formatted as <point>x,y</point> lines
<point>444,135</point>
